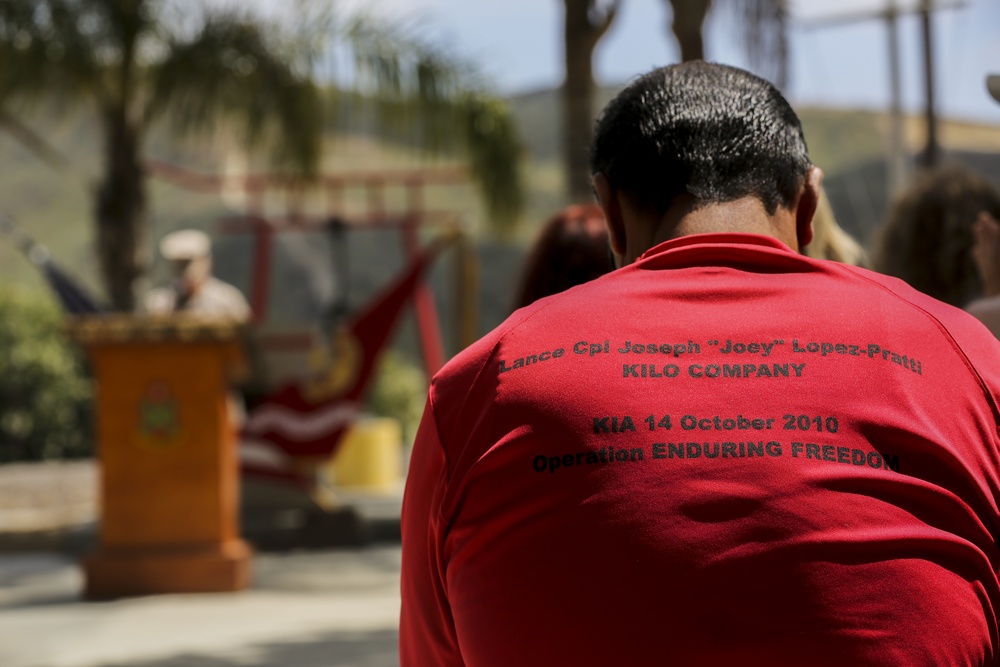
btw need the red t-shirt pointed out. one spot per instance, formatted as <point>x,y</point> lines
<point>725,453</point>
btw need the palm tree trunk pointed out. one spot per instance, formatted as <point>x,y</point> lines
<point>582,32</point>
<point>120,211</point>
<point>688,18</point>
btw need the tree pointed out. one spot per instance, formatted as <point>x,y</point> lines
<point>121,56</point>
<point>586,21</point>
<point>687,18</point>
<point>140,66</point>
<point>764,24</point>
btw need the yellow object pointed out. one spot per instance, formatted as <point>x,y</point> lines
<point>371,456</point>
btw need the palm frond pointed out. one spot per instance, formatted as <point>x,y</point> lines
<point>46,51</point>
<point>415,93</point>
<point>232,72</point>
<point>494,148</point>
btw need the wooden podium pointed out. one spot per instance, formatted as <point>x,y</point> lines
<point>168,455</point>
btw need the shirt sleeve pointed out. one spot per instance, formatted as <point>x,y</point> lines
<point>159,301</point>
<point>426,629</point>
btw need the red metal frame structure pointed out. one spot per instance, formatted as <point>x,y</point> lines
<point>374,183</point>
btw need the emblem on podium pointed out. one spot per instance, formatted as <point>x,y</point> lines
<point>159,421</point>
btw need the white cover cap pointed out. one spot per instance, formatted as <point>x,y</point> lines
<point>185,244</point>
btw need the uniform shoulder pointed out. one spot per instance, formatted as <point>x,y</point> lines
<point>223,287</point>
<point>226,298</point>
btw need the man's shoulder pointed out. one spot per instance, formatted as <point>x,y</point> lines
<point>473,358</point>
<point>224,297</point>
<point>577,301</point>
<point>946,315</point>
<point>863,294</point>
<point>966,334</point>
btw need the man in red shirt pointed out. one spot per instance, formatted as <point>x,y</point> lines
<point>723,452</point>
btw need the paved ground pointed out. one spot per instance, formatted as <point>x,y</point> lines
<point>44,505</point>
<point>333,607</point>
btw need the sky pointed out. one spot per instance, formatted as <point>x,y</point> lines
<point>518,44</point>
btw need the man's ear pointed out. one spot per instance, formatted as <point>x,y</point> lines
<point>806,209</point>
<point>608,202</point>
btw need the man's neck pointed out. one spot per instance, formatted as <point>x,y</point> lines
<point>746,216</point>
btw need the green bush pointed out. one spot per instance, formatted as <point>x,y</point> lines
<point>45,395</point>
<point>399,392</point>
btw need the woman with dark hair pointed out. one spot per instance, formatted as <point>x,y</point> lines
<point>928,237</point>
<point>571,249</point>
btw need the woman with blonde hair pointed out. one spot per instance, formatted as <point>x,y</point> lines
<point>830,241</point>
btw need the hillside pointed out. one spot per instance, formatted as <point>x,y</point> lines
<point>838,138</point>
<point>848,144</point>
<point>55,207</point>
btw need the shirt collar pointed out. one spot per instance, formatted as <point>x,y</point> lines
<point>718,249</point>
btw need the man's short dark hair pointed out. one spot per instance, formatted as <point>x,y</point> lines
<point>715,132</point>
